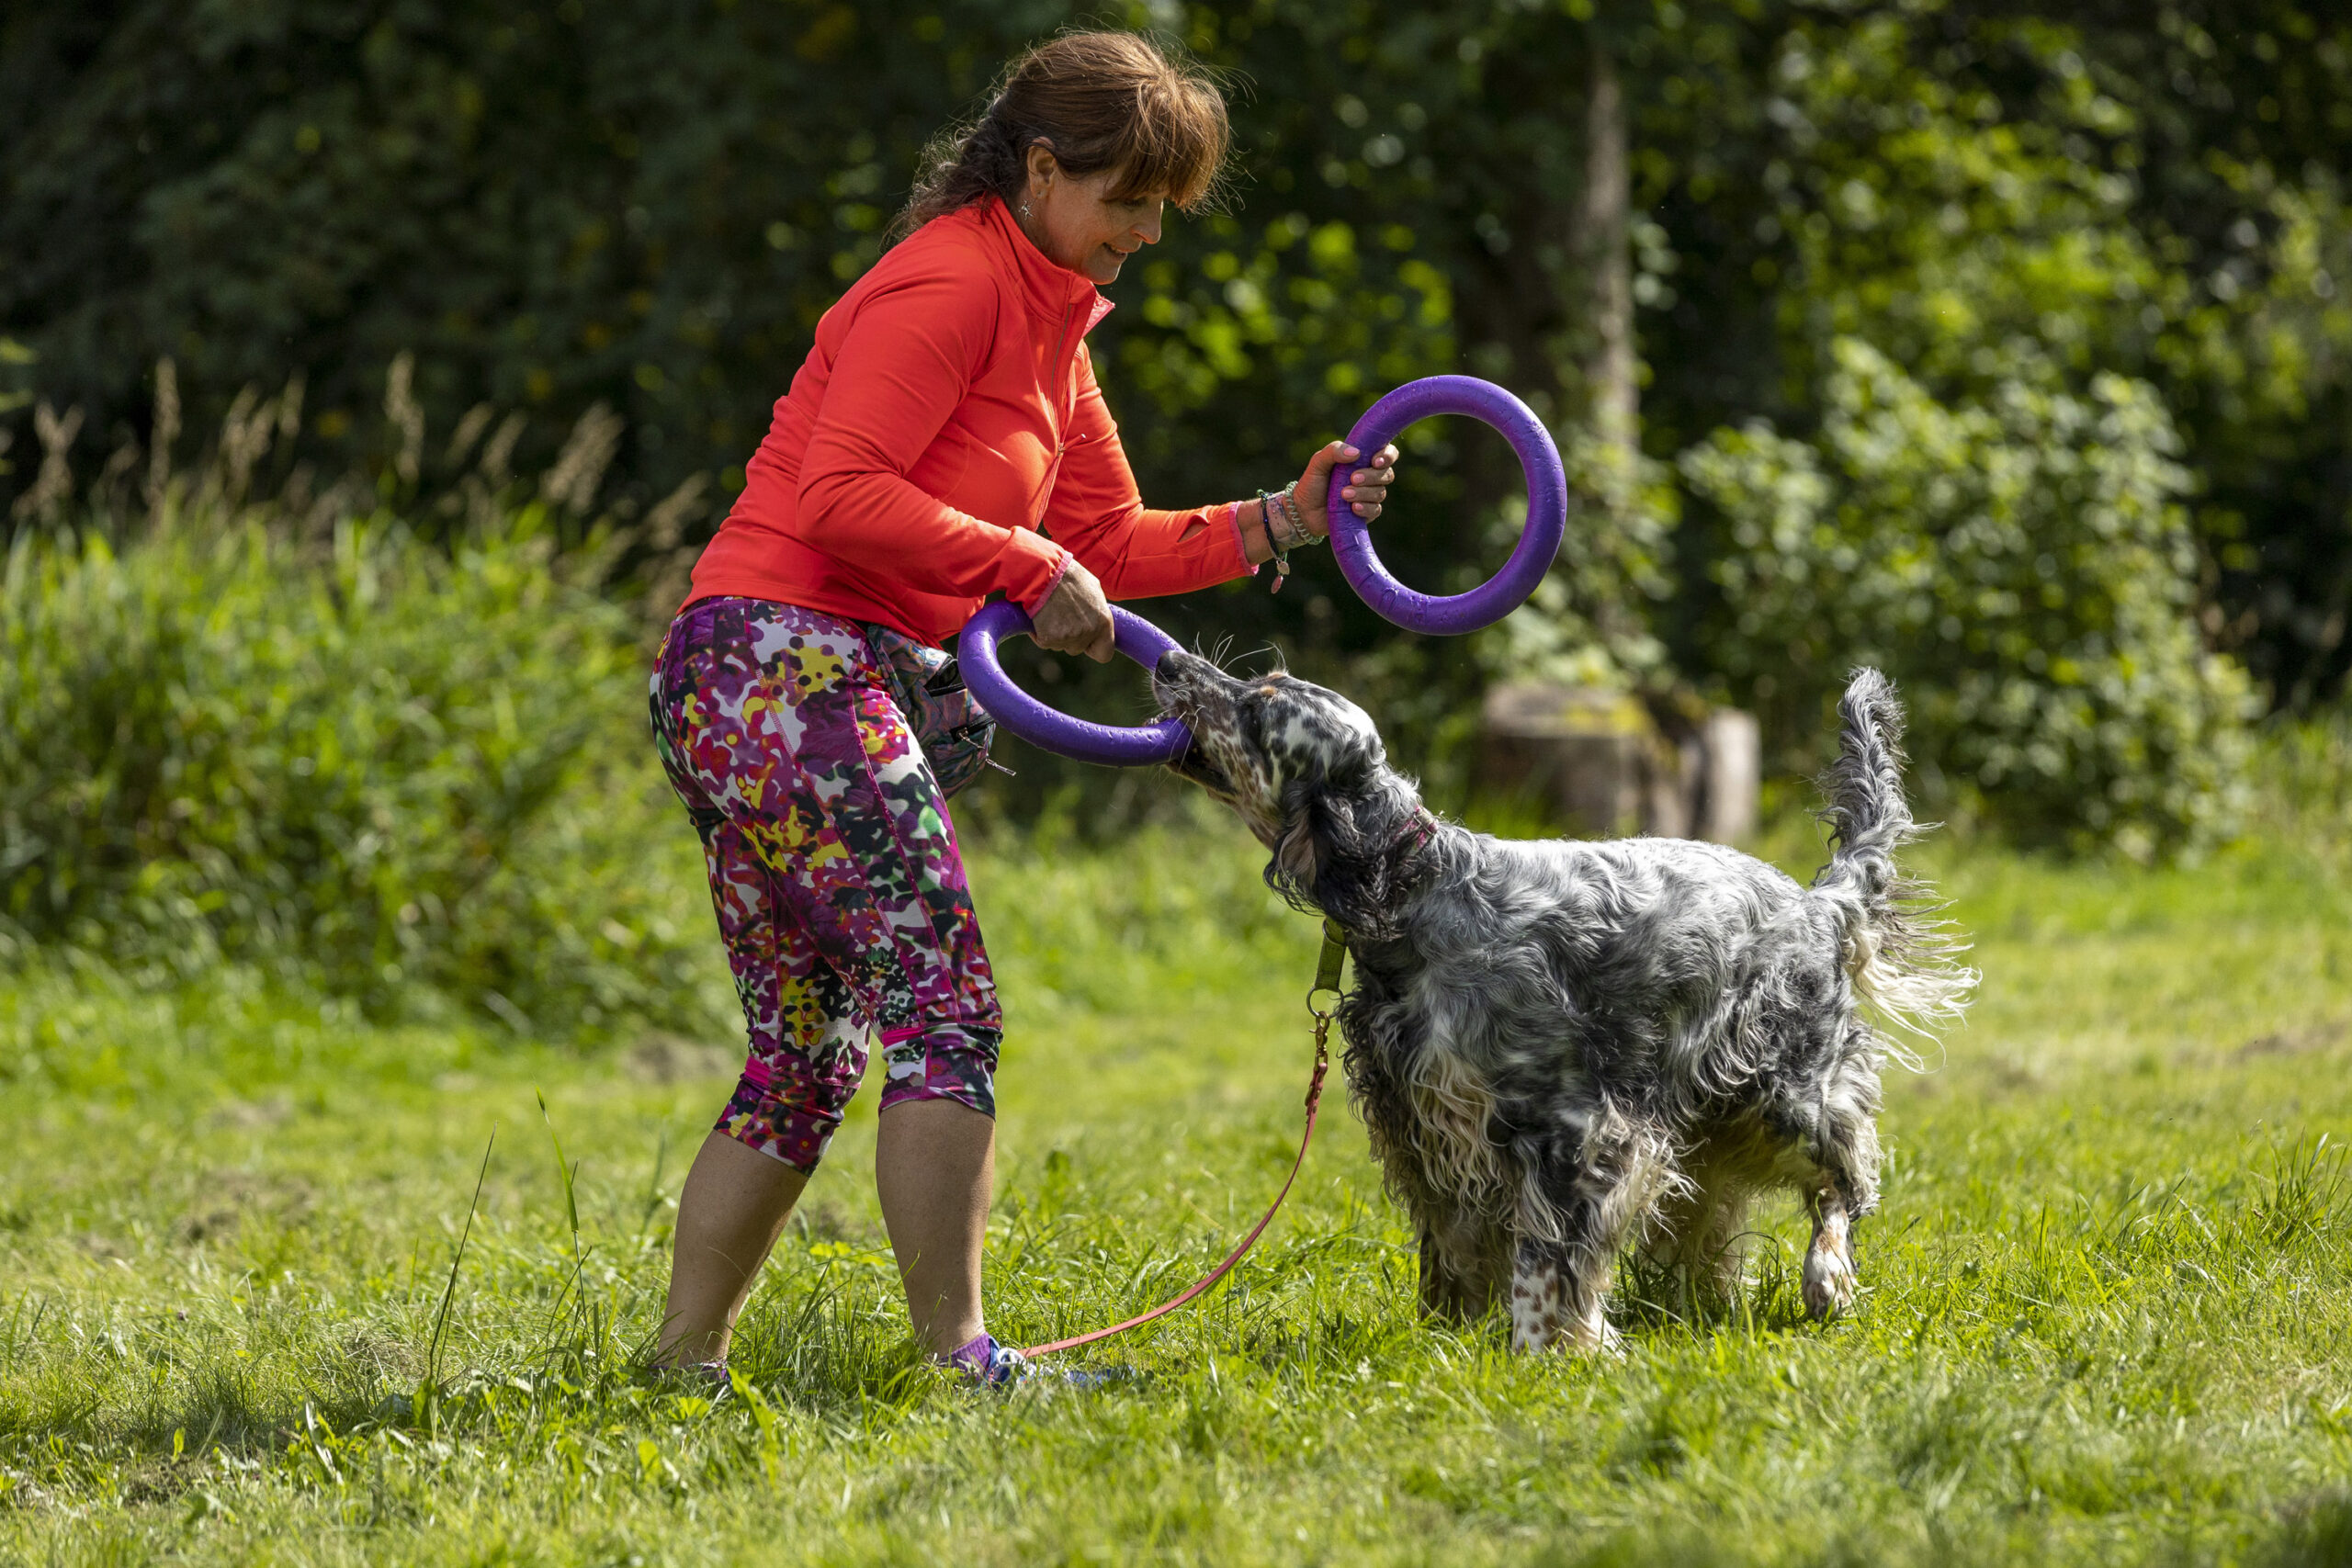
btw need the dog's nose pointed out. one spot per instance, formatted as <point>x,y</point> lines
<point>1171,664</point>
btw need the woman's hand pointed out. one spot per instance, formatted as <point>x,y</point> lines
<point>1075,617</point>
<point>1365,487</point>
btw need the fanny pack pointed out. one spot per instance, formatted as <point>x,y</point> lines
<point>952,727</point>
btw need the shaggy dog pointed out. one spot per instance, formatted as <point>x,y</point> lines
<point>1560,1047</point>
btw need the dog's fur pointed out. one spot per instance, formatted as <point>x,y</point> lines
<point>1560,1047</point>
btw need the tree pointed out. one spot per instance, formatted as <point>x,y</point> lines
<point>1657,220</point>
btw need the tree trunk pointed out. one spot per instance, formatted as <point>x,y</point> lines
<point>1555,318</point>
<point>1613,392</point>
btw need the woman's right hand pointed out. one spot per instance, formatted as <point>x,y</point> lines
<point>1075,617</point>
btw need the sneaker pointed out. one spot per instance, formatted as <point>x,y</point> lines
<point>988,1364</point>
<point>708,1379</point>
<point>1004,1367</point>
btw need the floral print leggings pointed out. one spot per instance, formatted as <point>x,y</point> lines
<point>833,865</point>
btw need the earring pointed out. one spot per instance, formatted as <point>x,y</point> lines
<point>1026,213</point>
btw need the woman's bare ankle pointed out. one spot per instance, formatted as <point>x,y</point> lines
<point>734,1202</point>
<point>694,1349</point>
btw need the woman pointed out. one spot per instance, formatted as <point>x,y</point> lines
<point>945,440</point>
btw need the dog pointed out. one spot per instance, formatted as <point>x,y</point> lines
<point>1563,1047</point>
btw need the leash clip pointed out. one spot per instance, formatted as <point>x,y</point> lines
<point>1327,972</point>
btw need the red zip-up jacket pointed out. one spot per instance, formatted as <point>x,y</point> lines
<point>947,421</point>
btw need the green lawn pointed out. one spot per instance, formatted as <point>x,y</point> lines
<point>2107,1316</point>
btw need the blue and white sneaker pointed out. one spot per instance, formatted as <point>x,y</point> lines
<point>708,1379</point>
<point>988,1364</point>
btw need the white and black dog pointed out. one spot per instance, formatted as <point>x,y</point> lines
<point>1559,1046</point>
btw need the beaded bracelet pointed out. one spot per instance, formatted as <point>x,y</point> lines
<point>1281,547</point>
<point>1294,522</point>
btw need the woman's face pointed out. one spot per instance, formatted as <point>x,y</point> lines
<point>1074,221</point>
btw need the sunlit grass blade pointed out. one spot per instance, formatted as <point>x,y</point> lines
<point>564,1170</point>
<point>456,1260</point>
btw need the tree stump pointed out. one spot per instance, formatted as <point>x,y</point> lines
<point>1600,764</point>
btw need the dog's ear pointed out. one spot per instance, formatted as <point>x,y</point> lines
<point>1301,842</point>
<point>1296,853</point>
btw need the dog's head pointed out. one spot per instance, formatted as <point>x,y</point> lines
<point>1302,766</point>
<point>1259,745</point>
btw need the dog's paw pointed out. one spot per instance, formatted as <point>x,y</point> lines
<point>1586,1340</point>
<point>1554,1329</point>
<point>1829,1283</point>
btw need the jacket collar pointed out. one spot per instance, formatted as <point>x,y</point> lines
<point>1049,290</point>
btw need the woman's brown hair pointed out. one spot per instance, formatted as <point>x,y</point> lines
<point>1101,101</point>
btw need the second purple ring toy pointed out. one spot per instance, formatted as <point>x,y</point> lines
<point>1115,745</point>
<point>1124,746</point>
<point>1547,507</point>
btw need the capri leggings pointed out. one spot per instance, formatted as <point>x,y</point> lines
<point>833,866</point>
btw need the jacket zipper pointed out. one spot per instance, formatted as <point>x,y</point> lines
<point>1061,418</point>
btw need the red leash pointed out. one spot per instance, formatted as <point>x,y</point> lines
<point>1326,978</point>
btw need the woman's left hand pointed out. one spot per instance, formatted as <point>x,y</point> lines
<point>1365,489</point>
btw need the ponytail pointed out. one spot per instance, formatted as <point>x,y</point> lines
<point>1101,102</point>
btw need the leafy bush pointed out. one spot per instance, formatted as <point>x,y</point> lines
<point>2024,566</point>
<point>407,774</point>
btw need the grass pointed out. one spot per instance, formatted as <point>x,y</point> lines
<point>2108,1298</point>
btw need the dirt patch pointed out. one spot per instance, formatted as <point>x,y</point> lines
<point>254,1115</point>
<point>671,1058</point>
<point>2013,1075</point>
<point>2304,1042</point>
<point>370,1353</point>
<point>221,1200</point>
<point>829,1219</point>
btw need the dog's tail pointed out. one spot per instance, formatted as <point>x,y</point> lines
<point>1902,960</point>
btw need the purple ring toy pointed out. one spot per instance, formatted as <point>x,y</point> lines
<point>1115,745</point>
<point>1547,507</point>
<point>1128,746</point>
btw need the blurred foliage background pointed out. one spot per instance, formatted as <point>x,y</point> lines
<point>2006,351</point>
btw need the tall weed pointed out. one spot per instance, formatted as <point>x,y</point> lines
<point>413,776</point>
